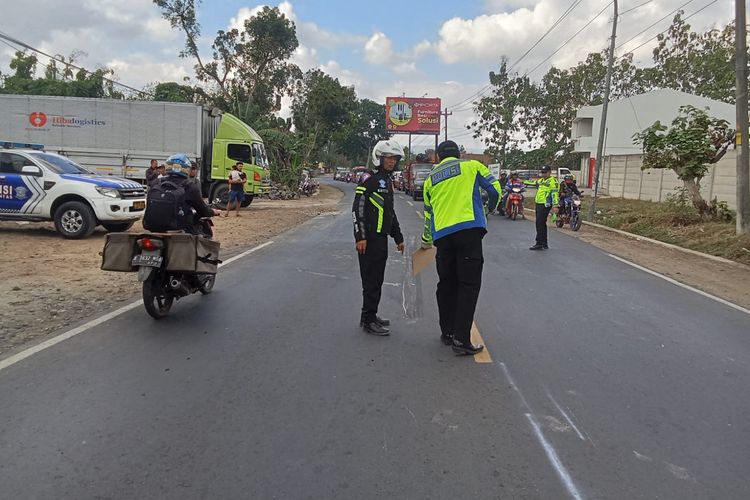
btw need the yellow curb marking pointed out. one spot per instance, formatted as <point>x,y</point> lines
<point>476,338</point>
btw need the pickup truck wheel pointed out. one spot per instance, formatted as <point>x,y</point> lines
<point>248,200</point>
<point>220,196</point>
<point>75,220</point>
<point>117,227</point>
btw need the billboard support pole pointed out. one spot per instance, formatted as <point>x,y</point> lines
<point>410,155</point>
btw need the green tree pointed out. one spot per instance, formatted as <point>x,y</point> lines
<point>364,127</point>
<point>696,63</point>
<point>173,92</point>
<point>249,69</point>
<point>320,108</point>
<point>693,142</point>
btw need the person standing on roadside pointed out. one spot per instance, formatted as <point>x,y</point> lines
<point>546,200</point>
<point>236,188</point>
<point>455,222</point>
<point>374,220</point>
<point>193,176</point>
<point>152,174</point>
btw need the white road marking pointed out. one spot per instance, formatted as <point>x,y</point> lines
<point>324,275</point>
<point>570,421</point>
<point>26,353</point>
<point>682,285</point>
<point>548,448</point>
<point>554,459</point>
<point>419,214</point>
<point>410,203</point>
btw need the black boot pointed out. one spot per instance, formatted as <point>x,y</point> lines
<point>382,321</point>
<point>375,328</point>
<point>466,348</point>
<point>538,247</point>
<point>446,339</point>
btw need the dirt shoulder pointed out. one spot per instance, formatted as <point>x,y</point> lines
<point>730,281</point>
<point>50,283</point>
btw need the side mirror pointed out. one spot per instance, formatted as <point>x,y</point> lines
<point>31,170</point>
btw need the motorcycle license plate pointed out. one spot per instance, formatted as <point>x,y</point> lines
<point>147,260</point>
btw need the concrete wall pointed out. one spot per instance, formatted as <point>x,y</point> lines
<point>621,177</point>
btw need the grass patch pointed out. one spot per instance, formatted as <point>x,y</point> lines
<point>674,223</point>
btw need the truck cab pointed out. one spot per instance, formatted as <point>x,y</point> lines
<point>39,186</point>
<point>236,141</point>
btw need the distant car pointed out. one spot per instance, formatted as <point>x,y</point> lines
<point>398,178</point>
<point>420,176</point>
<point>340,174</point>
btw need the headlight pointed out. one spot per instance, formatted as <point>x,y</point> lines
<point>108,192</point>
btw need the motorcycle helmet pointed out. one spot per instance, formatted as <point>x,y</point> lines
<point>178,164</point>
<point>448,148</point>
<point>568,179</point>
<point>386,148</point>
<point>513,173</point>
<point>546,168</point>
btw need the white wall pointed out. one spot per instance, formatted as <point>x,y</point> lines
<point>621,177</point>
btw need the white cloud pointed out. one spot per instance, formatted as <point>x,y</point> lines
<point>379,49</point>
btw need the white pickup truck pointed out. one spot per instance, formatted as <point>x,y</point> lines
<point>39,186</point>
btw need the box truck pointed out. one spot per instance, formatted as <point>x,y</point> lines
<point>120,137</point>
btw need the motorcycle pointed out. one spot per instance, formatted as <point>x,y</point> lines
<point>308,186</point>
<point>514,204</point>
<point>571,213</point>
<point>161,287</point>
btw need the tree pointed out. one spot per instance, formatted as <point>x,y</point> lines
<point>321,107</point>
<point>249,69</point>
<point>696,63</point>
<point>173,92</point>
<point>364,127</point>
<point>693,142</point>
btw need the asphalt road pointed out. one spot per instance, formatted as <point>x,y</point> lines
<point>605,382</point>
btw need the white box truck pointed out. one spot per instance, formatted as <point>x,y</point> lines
<point>120,137</point>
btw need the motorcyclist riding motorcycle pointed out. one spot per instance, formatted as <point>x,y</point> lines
<point>513,182</point>
<point>160,217</point>
<point>567,189</point>
<point>503,179</point>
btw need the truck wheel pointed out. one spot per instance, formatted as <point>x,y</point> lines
<point>220,196</point>
<point>248,200</point>
<point>75,220</point>
<point>117,227</point>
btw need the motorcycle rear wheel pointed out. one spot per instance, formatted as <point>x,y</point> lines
<point>514,212</point>
<point>207,283</point>
<point>155,300</point>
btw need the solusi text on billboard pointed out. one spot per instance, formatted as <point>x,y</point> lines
<point>412,115</point>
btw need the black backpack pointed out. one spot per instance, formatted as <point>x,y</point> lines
<point>165,207</point>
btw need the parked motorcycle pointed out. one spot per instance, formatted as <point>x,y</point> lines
<point>571,213</point>
<point>514,204</point>
<point>162,286</point>
<point>308,186</point>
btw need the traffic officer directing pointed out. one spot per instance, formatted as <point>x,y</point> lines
<point>546,199</point>
<point>454,220</point>
<point>375,220</point>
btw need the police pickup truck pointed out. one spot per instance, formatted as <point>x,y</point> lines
<point>36,185</point>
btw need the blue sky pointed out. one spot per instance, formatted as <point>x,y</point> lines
<point>440,48</point>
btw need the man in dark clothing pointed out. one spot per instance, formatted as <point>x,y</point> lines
<point>567,189</point>
<point>178,175</point>
<point>374,220</point>
<point>152,174</point>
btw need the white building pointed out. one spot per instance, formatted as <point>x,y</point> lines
<point>621,174</point>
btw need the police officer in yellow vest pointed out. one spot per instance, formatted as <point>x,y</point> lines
<point>455,221</point>
<point>547,198</point>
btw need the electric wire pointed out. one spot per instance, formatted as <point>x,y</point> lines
<point>5,36</point>
<point>636,7</point>
<point>654,24</point>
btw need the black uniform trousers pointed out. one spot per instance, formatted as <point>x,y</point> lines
<point>372,271</point>
<point>459,266</point>
<point>542,212</point>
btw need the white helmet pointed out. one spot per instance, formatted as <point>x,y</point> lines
<point>386,148</point>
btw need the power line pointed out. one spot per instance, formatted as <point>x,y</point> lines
<point>636,7</point>
<point>571,38</point>
<point>664,31</point>
<point>5,36</point>
<point>654,24</point>
<point>484,89</point>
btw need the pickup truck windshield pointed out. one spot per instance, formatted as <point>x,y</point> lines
<point>59,164</point>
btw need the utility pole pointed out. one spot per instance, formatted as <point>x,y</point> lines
<point>743,167</point>
<point>603,124</point>
<point>446,114</point>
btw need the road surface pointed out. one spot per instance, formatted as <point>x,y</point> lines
<point>604,382</point>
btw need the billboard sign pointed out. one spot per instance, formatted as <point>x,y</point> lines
<point>412,115</point>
